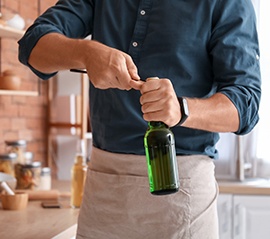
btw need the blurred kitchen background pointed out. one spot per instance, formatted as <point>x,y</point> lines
<point>52,115</point>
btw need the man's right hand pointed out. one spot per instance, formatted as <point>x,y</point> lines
<point>108,67</point>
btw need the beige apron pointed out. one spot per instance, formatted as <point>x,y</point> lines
<point>117,203</point>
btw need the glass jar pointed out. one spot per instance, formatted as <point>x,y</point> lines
<point>28,175</point>
<point>7,163</point>
<point>45,179</point>
<point>17,147</point>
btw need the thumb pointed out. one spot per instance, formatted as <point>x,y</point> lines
<point>135,81</point>
<point>136,84</point>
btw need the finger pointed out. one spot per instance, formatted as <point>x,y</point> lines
<point>136,84</point>
<point>134,74</point>
<point>154,116</point>
<point>149,97</point>
<point>128,72</point>
<point>152,105</point>
<point>132,69</point>
<point>123,83</point>
<point>150,85</point>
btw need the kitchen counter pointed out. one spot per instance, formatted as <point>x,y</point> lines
<point>257,186</point>
<point>61,223</point>
<point>40,223</point>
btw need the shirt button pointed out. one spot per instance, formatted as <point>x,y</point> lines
<point>135,44</point>
<point>142,12</point>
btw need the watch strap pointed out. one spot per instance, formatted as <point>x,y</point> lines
<point>184,110</point>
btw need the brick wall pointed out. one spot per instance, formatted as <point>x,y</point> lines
<point>23,117</point>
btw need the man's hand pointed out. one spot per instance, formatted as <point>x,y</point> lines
<point>159,101</point>
<point>106,67</point>
<point>110,68</point>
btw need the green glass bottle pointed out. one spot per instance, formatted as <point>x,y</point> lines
<point>161,159</point>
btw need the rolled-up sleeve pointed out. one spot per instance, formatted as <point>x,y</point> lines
<point>235,54</point>
<point>71,18</point>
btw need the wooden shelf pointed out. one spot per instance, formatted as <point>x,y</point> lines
<point>19,92</point>
<point>64,125</point>
<point>9,32</point>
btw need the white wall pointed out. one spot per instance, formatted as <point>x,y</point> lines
<point>257,143</point>
<point>264,124</point>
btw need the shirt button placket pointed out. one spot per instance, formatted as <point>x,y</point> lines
<point>140,29</point>
<point>135,44</point>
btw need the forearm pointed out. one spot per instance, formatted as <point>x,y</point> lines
<point>106,67</point>
<point>54,52</point>
<point>215,114</point>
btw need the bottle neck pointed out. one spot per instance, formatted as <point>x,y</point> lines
<point>156,124</point>
<point>79,159</point>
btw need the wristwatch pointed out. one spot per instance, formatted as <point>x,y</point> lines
<point>184,110</point>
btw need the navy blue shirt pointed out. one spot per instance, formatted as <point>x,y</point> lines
<point>203,47</point>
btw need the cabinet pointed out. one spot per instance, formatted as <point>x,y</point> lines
<point>244,216</point>
<point>224,205</point>
<point>76,126</point>
<point>15,34</point>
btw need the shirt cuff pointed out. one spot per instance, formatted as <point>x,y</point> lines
<point>28,42</point>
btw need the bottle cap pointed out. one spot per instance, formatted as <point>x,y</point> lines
<point>152,78</point>
<point>45,171</point>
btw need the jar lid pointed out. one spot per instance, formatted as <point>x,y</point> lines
<point>10,156</point>
<point>32,165</point>
<point>16,143</point>
<point>46,171</point>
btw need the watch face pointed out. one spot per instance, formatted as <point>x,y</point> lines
<point>185,107</point>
